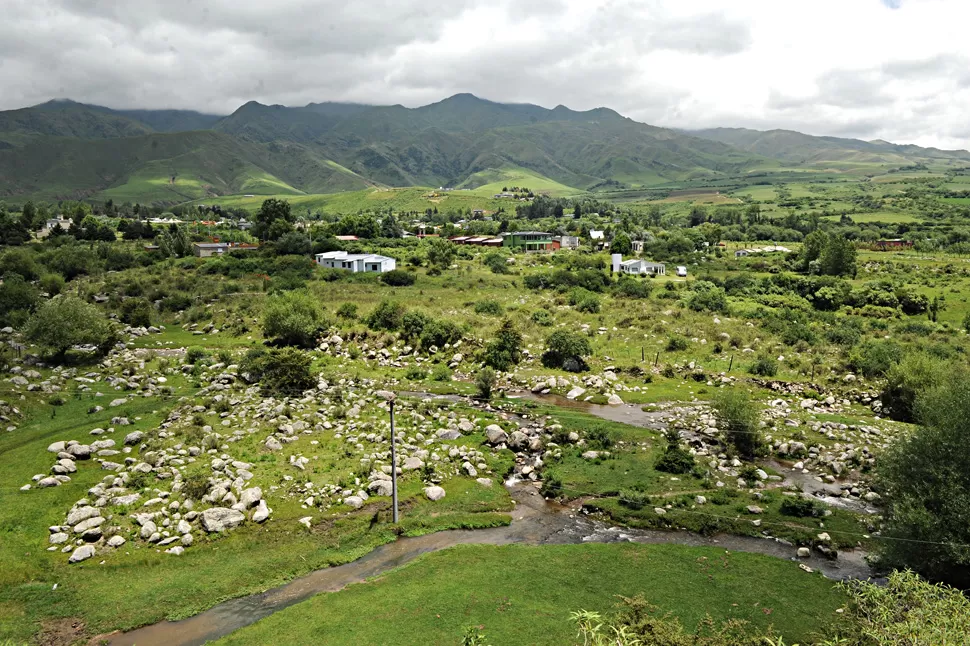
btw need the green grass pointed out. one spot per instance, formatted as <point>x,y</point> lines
<point>523,595</point>
<point>889,217</point>
<point>489,182</point>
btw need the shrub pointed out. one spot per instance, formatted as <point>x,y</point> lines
<point>705,296</point>
<point>739,419</point>
<point>137,312</point>
<point>675,458</point>
<point>485,380</point>
<point>489,307</point>
<point>584,300</point>
<point>387,316</point>
<point>195,485</point>
<point>347,311</point>
<point>875,358</point>
<point>398,278</point>
<point>415,373</point>
<point>439,333</point>
<point>496,262</point>
<point>412,324</point>
<point>504,351</point>
<point>286,372</point>
<point>628,287</point>
<point>67,321</point>
<point>52,283</point>
<point>17,299</point>
<point>801,507</point>
<point>194,355</point>
<point>677,343</point>
<point>293,318</point>
<point>634,499</point>
<point>764,366</point>
<point>441,372</point>
<point>542,317</point>
<point>907,379</point>
<point>566,350</point>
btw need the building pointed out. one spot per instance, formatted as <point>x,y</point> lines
<point>638,267</point>
<point>637,246</point>
<point>681,271</point>
<point>742,253</point>
<point>356,262</point>
<point>347,238</point>
<point>209,249</point>
<point>887,245</point>
<point>565,242</point>
<point>597,235</point>
<point>528,240</point>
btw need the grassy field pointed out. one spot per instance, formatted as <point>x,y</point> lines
<point>888,217</point>
<point>490,182</point>
<point>523,595</point>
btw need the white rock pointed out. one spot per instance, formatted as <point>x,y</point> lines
<point>434,493</point>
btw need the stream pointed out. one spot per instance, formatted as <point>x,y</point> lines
<point>535,521</point>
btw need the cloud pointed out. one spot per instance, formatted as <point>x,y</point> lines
<point>898,75</point>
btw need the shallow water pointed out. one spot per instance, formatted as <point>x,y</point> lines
<point>535,521</point>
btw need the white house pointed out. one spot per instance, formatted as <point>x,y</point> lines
<point>640,267</point>
<point>356,262</point>
<point>681,270</point>
<point>596,235</point>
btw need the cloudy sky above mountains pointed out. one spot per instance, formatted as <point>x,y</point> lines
<point>889,69</point>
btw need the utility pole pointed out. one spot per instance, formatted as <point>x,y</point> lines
<point>389,397</point>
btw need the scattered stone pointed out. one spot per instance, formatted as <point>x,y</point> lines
<point>82,553</point>
<point>219,519</point>
<point>434,493</point>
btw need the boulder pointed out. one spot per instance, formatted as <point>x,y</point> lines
<point>754,509</point>
<point>88,524</point>
<point>261,513</point>
<point>59,537</point>
<point>80,451</point>
<point>380,488</point>
<point>175,551</point>
<point>495,434</point>
<point>614,400</point>
<point>804,552</point>
<point>57,447</point>
<point>485,482</point>
<point>82,553</point>
<point>434,493</point>
<point>448,434</point>
<point>575,392</point>
<point>219,519</point>
<point>134,438</point>
<point>249,497</point>
<point>356,502</point>
<point>518,440</point>
<point>273,444</point>
<point>81,514</point>
<point>148,528</point>
<point>412,463</point>
<point>116,541</point>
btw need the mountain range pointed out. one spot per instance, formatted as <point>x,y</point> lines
<point>68,150</point>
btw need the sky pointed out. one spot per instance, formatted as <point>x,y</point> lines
<point>873,69</point>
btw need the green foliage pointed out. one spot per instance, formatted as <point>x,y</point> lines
<point>439,333</point>
<point>137,312</point>
<point>542,317</point>
<point>621,244</point>
<point>293,318</point>
<point>566,350</point>
<point>283,372</point>
<point>907,379</point>
<point>273,220</point>
<point>875,358</point>
<point>441,253</point>
<point>18,298</point>
<point>675,458</point>
<point>489,307</point>
<point>905,610</point>
<point>801,507</point>
<point>627,287</point>
<point>584,300</point>
<point>294,243</point>
<point>398,278</point>
<point>67,321</point>
<point>52,283</point>
<point>705,296</point>
<point>764,366</point>
<point>738,418</point>
<point>251,366</point>
<point>926,487</point>
<point>347,311</point>
<point>195,354</point>
<point>496,262</point>
<point>677,343</point>
<point>21,262</point>
<point>388,315</point>
<point>441,372</point>
<point>485,380</point>
<point>504,351</point>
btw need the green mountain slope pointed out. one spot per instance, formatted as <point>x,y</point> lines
<point>166,167</point>
<point>65,119</point>
<point>795,147</point>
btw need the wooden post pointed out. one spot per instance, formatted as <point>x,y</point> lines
<point>813,373</point>
<point>657,359</point>
<point>731,365</point>
<point>641,354</point>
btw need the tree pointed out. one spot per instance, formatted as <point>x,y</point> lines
<point>566,350</point>
<point>272,210</point>
<point>812,248</point>
<point>281,372</point>
<point>441,253</point>
<point>388,315</point>
<point>622,244</point>
<point>925,484</point>
<point>66,321</point>
<point>17,299</point>
<point>390,227</point>
<point>738,418</point>
<point>485,380</point>
<point>20,262</point>
<point>906,380</point>
<point>173,242</point>
<point>13,231</point>
<point>705,296</point>
<point>504,351</point>
<point>293,318</point>
<point>293,243</point>
<point>496,262</point>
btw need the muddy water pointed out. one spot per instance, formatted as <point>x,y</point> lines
<point>534,522</point>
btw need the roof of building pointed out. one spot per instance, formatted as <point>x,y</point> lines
<point>596,235</point>
<point>346,238</point>
<point>211,245</point>
<point>529,233</point>
<point>343,255</point>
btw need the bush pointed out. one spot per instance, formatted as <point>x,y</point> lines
<point>347,311</point>
<point>907,379</point>
<point>801,507</point>
<point>137,312</point>
<point>634,499</point>
<point>764,366</point>
<point>496,262</point>
<point>738,418</point>
<point>67,321</point>
<point>18,298</point>
<point>584,300</point>
<point>398,278</point>
<point>925,484</point>
<point>677,343</point>
<point>504,351</point>
<point>293,318</point>
<point>875,358</point>
<point>485,380</point>
<point>251,366</point>
<point>489,307</point>
<point>387,316</point>
<point>439,333</point>
<point>628,287</point>
<point>542,317</point>
<point>675,458</point>
<point>194,355</point>
<point>286,372</point>
<point>412,324</point>
<point>441,372</point>
<point>705,296</point>
<point>566,350</point>
<point>415,373</point>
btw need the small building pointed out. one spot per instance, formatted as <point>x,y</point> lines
<point>681,271</point>
<point>209,249</point>
<point>887,245</point>
<point>528,240</point>
<point>637,267</point>
<point>597,235</point>
<point>356,262</point>
<point>742,253</point>
<point>637,246</point>
<point>565,242</point>
<point>347,238</point>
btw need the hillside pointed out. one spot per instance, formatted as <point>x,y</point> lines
<point>65,119</point>
<point>795,147</point>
